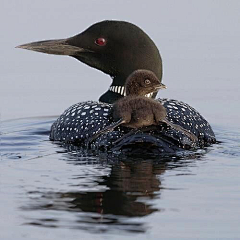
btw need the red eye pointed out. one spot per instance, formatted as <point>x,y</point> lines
<point>101,42</point>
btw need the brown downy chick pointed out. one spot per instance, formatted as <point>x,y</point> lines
<point>137,111</point>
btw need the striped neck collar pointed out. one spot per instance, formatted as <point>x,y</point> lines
<point>122,91</point>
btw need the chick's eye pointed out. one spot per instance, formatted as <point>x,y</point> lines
<point>101,41</point>
<point>147,81</point>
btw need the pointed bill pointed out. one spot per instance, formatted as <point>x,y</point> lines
<point>160,86</point>
<point>57,47</point>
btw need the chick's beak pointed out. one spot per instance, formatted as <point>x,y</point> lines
<point>160,86</point>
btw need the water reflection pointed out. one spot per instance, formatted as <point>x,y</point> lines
<point>129,188</point>
<point>126,183</point>
<point>67,188</point>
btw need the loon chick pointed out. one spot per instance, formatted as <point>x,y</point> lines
<point>117,48</point>
<point>137,111</point>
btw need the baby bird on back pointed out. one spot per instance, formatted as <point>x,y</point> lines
<point>136,110</point>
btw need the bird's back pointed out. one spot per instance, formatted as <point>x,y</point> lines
<point>138,111</point>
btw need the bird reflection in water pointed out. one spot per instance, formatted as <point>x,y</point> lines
<point>127,197</point>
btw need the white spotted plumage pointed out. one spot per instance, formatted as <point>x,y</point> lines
<point>84,119</point>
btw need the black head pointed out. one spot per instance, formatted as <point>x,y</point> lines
<point>115,47</point>
<point>141,82</point>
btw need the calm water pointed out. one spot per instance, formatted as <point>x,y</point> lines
<point>49,191</point>
<point>46,189</point>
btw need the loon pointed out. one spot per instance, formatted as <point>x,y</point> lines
<point>118,48</point>
<point>136,110</point>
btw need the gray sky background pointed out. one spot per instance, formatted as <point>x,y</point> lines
<point>199,42</point>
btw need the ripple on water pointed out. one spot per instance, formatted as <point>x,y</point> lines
<point>52,187</point>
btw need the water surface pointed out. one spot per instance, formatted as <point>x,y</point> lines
<point>45,189</point>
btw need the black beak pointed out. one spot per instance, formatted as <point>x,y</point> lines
<point>57,47</point>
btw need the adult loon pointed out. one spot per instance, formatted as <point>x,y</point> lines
<point>118,48</point>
